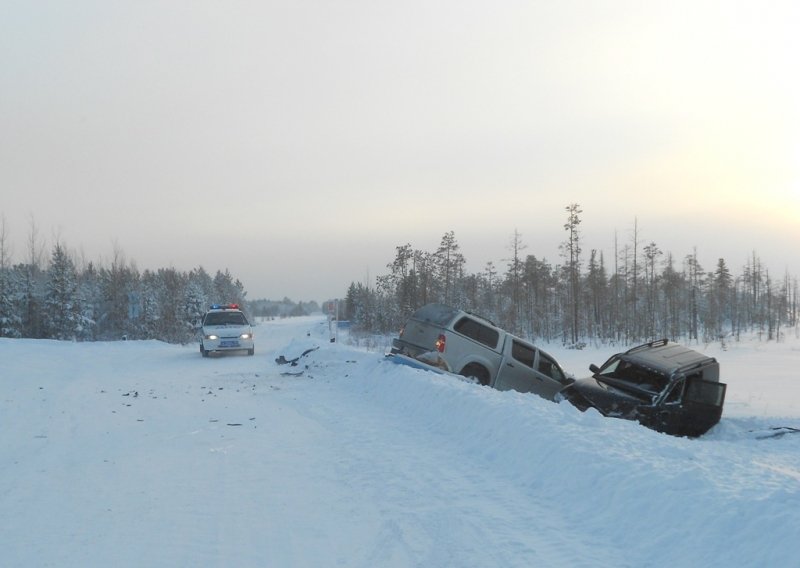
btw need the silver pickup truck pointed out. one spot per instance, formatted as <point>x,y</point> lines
<point>469,345</point>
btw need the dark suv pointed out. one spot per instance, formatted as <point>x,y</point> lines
<point>662,385</point>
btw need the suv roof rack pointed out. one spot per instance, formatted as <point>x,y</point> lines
<point>650,345</point>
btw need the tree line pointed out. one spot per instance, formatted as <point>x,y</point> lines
<point>67,299</point>
<point>641,294</point>
<point>285,308</point>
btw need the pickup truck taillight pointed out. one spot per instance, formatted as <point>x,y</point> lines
<point>440,343</point>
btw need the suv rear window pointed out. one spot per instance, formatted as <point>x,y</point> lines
<point>705,392</point>
<point>477,331</point>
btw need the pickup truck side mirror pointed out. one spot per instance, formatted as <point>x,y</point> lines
<point>594,368</point>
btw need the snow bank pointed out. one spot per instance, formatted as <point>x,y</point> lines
<point>660,500</point>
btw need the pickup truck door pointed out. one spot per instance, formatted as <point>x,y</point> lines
<point>526,369</point>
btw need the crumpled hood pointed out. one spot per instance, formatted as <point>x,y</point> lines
<point>608,400</point>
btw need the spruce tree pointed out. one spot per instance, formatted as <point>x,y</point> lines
<point>10,319</point>
<point>62,314</point>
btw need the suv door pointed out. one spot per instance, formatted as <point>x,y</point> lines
<point>702,404</point>
<point>692,414</point>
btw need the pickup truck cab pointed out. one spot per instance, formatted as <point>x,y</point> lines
<point>469,345</point>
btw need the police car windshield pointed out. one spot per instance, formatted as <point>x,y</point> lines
<point>225,318</point>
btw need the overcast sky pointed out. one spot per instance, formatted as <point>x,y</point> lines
<point>298,143</point>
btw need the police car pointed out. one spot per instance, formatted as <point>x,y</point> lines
<point>225,328</point>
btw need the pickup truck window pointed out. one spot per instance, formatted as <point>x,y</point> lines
<point>548,366</point>
<point>435,313</point>
<point>523,353</point>
<point>478,332</point>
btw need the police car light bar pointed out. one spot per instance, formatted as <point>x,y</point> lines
<point>225,306</point>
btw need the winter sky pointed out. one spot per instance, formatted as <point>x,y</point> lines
<point>298,143</point>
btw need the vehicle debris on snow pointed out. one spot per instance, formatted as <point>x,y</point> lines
<point>293,362</point>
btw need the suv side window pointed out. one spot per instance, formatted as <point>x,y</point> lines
<point>478,332</point>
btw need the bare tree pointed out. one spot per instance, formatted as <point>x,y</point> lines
<point>651,252</point>
<point>488,297</point>
<point>514,280</point>
<point>694,275</point>
<point>597,286</point>
<point>571,249</point>
<point>35,246</point>
<point>449,267</point>
<point>637,328</point>
<point>32,284</point>
<point>5,246</point>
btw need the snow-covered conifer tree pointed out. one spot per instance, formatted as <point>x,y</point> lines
<point>151,291</point>
<point>10,319</point>
<point>195,302</point>
<point>90,296</point>
<point>62,315</point>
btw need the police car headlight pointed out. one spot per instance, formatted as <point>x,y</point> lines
<point>212,337</point>
<point>246,336</point>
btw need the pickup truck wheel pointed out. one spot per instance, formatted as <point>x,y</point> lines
<point>476,372</point>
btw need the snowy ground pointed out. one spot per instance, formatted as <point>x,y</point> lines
<point>146,454</point>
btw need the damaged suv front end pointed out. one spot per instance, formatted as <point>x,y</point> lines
<point>664,386</point>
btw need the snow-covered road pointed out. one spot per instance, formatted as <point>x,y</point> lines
<point>146,454</point>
